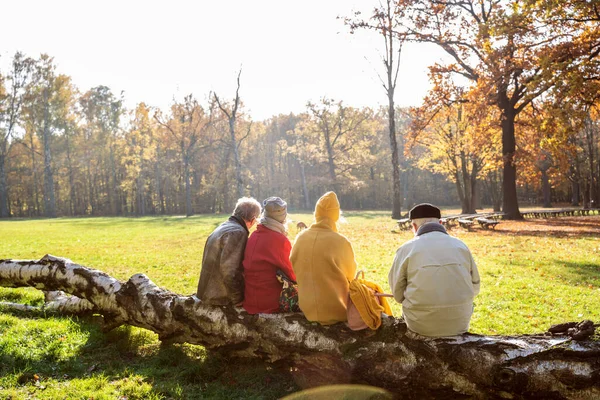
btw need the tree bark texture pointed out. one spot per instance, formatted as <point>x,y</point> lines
<point>397,189</point>
<point>510,203</point>
<point>546,189</point>
<point>304,187</point>
<point>49,198</point>
<point>3,186</point>
<point>466,366</point>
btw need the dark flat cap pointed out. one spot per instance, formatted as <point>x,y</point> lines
<point>424,210</point>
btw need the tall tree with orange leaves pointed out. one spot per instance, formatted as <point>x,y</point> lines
<point>514,51</point>
<point>458,138</point>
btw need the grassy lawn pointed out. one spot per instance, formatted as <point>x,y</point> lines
<point>534,273</point>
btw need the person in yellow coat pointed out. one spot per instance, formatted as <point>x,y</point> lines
<point>323,261</point>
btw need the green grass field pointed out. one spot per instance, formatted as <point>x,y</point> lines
<point>534,274</point>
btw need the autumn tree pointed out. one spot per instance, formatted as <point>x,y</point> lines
<point>583,106</point>
<point>545,156</point>
<point>12,92</point>
<point>102,112</point>
<point>139,157</point>
<point>518,51</point>
<point>384,21</point>
<point>280,170</point>
<point>343,133</point>
<point>187,125</point>
<point>305,151</point>
<point>66,123</point>
<point>458,140</point>
<point>230,111</point>
<point>571,113</point>
<point>48,111</point>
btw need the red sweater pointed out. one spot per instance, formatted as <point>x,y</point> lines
<point>266,252</point>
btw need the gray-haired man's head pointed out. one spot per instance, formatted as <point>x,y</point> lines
<point>247,209</point>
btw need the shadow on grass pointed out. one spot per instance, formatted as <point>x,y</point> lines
<point>131,358</point>
<point>584,270</point>
<point>561,227</point>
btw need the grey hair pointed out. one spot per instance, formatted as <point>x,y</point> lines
<point>247,208</point>
<point>421,221</point>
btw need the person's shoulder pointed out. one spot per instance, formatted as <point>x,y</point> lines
<point>410,242</point>
<point>234,230</point>
<point>339,237</point>
<point>458,242</point>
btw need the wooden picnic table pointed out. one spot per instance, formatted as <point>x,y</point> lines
<point>464,220</point>
<point>404,223</point>
<point>487,222</point>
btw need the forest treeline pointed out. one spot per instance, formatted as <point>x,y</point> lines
<point>526,122</point>
<point>84,153</point>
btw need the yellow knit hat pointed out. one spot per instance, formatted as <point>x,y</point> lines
<point>328,206</point>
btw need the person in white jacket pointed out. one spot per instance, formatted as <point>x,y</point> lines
<point>435,277</point>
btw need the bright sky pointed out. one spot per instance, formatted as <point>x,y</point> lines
<point>290,52</point>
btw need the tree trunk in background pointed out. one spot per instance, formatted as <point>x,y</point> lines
<point>397,188</point>
<point>226,203</point>
<point>139,185</point>
<point>475,200</point>
<point>597,204</point>
<point>233,144</point>
<point>574,178</point>
<point>461,193</point>
<point>188,190</point>
<point>92,204</point>
<point>49,198</point>
<point>3,186</point>
<point>406,178</point>
<point>591,144</point>
<point>465,366</point>
<point>586,194</point>
<point>510,203</point>
<point>236,158</point>
<point>159,189</point>
<point>467,204</point>
<point>114,183</point>
<point>35,189</point>
<point>73,209</point>
<point>305,193</point>
<point>574,193</point>
<point>546,189</point>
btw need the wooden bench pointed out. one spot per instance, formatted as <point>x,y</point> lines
<point>487,223</point>
<point>450,220</point>
<point>566,212</point>
<point>465,223</point>
<point>404,223</point>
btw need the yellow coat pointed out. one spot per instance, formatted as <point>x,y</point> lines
<point>323,261</point>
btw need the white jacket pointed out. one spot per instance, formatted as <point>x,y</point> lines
<point>435,278</point>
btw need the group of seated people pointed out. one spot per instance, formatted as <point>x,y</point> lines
<point>433,275</point>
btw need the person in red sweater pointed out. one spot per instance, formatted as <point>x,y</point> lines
<point>268,249</point>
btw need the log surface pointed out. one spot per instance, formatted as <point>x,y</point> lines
<point>466,366</point>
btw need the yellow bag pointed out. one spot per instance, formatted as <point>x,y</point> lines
<point>364,306</point>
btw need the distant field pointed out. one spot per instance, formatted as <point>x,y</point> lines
<point>534,273</point>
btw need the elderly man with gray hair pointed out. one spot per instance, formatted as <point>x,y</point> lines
<point>222,279</point>
<point>435,277</point>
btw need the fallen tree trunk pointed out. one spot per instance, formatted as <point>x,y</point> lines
<point>469,366</point>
